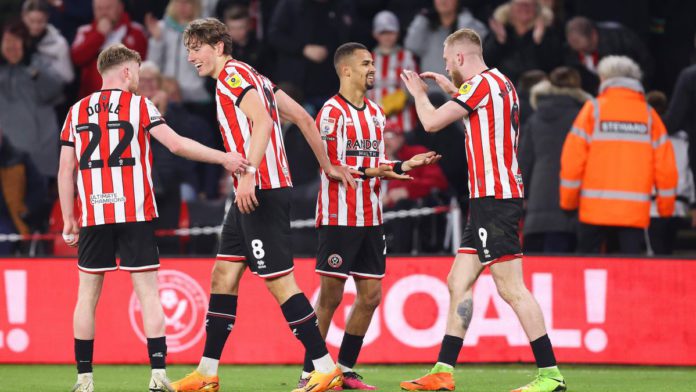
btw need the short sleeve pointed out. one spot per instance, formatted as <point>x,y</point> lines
<point>236,82</point>
<point>330,124</point>
<point>150,115</point>
<point>472,93</point>
<point>67,137</point>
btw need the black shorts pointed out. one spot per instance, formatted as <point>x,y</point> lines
<point>491,230</point>
<point>357,251</point>
<point>134,241</point>
<point>261,239</point>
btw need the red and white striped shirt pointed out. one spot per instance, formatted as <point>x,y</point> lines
<point>108,131</point>
<point>235,80</point>
<point>388,81</point>
<point>492,132</point>
<point>353,137</point>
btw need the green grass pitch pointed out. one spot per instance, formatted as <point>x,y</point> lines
<point>470,378</point>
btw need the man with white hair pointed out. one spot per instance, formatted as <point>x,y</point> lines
<point>615,153</point>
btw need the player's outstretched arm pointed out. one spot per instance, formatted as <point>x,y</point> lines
<point>66,194</point>
<point>418,160</point>
<point>291,111</point>
<point>192,150</point>
<point>432,119</point>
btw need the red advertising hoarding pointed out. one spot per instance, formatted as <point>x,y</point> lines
<point>630,311</point>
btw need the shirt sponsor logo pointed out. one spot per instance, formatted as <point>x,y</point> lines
<point>362,148</point>
<point>633,128</point>
<point>106,198</point>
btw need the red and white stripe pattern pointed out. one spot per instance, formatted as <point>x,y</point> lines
<point>353,137</point>
<point>492,132</point>
<point>388,80</point>
<point>113,193</point>
<point>235,80</point>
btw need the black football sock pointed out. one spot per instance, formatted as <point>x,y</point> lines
<point>449,350</point>
<point>157,350</point>
<point>222,312</point>
<point>350,349</point>
<point>543,352</point>
<point>308,364</point>
<point>303,323</point>
<point>84,350</point>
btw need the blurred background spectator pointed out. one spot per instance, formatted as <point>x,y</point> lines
<point>616,152</point>
<point>589,42</point>
<point>663,230</point>
<point>46,40</point>
<point>247,47</point>
<point>111,25</point>
<point>28,91</point>
<point>22,190</point>
<point>166,49</point>
<point>427,32</point>
<point>426,189</point>
<point>527,80</point>
<point>305,34</point>
<point>390,60</point>
<point>522,38</point>
<point>556,102</point>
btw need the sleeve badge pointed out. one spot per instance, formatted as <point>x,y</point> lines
<point>465,88</point>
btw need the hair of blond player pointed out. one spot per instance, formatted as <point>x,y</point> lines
<point>114,56</point>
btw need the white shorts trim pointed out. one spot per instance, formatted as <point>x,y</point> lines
<point>147,267</point>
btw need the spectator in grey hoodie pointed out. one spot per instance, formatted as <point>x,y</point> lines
<point>166,49</point>
<point>426,34</point>
<point>28,91</point>
<point>47,40</point>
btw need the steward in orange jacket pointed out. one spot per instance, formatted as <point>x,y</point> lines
<point>616,152</point>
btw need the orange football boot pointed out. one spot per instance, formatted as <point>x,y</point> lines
<point>430,382</point>
<point>196,382</point>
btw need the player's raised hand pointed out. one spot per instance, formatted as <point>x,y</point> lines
<point>235,162</point>
<point>443,81</point>
<point>343,174</point>
<point>71,232</point>
<point>246,192</point>
<point>414,84</point>
<point>419,160</point>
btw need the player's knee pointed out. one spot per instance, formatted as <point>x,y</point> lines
<point>371,300</point>
<point>512,295</point>
<point>455,285</point>
<point>330,300</point>
<point>222,281</point>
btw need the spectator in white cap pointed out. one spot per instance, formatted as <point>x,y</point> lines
<point>390,59</point>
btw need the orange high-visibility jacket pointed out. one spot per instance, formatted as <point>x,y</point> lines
<point>616,153</point>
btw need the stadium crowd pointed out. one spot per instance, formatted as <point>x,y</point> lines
<point>551,49</point>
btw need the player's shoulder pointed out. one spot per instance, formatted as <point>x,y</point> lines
<point>332,107</point>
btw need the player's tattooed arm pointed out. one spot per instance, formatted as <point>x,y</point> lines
<point>465,310</point>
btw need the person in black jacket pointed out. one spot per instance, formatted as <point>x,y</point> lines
<point>522,38</point>
<point>681,115</point>
<point>557,102</point>
<point>589,42</point>
<point>305,34</point>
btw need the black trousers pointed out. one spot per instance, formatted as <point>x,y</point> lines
<point>593,239</point>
